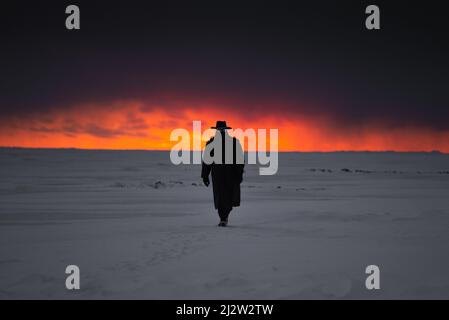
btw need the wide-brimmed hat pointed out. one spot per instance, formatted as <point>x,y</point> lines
<point>221,125</point>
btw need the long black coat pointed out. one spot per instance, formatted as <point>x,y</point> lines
<point>226,178</point>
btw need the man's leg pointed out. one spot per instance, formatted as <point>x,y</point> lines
<point>223,212</point>
<point>227,212</point>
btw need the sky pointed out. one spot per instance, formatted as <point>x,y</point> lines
<point>136,70</point>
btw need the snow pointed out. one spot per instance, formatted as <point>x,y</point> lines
<point>139,227</point>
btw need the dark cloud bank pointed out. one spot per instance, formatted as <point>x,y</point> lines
<point>303,58</point>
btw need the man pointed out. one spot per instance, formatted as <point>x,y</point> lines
<point>223,159</point>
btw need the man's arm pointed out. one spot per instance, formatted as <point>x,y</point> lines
<point>205,170</point>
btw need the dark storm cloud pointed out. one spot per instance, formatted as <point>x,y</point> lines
<point>131,126</point>
<point>103,132</point>
<point>91,129</point>
<point>303,59</point>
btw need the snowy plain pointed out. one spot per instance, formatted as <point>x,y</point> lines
<point>139,227</point>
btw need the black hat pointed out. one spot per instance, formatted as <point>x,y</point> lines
<point>221,125</point>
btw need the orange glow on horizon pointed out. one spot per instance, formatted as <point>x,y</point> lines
<point>126,125</point>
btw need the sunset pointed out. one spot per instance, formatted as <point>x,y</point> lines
<point>139,125</point>
<point>128,85</point>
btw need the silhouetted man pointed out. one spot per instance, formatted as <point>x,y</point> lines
<point>223,158</point>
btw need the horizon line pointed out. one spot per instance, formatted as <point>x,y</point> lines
<point>167,150</point>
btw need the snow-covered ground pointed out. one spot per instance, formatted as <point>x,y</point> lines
<point>140,227</point>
